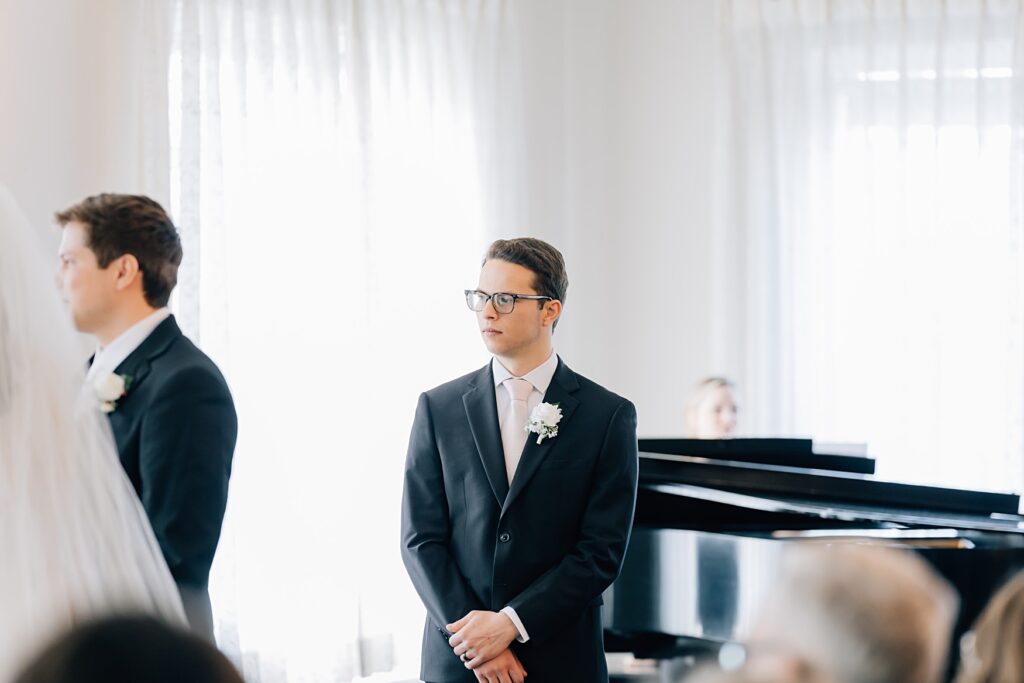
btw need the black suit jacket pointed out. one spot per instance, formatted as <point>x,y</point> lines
<point>175,433</point>
<point>549,545</point>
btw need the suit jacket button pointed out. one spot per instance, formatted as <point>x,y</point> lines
<point>505,537</point>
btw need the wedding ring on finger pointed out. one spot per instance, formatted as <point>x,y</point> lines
<point>463,657</point>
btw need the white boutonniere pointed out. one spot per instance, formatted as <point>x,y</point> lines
<point>110,389</point>
<point>544,421</point>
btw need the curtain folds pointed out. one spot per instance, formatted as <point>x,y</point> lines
<point>869,242</point>
<point>337,170</point>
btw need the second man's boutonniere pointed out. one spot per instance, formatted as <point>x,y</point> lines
<point>544,421</point>
<point>110,389</point>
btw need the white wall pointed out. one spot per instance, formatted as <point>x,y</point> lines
<point>46,121</point>
<point>620,110</point>
<point>71,121</point>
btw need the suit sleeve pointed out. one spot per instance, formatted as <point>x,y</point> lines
<point>563,592</point>
<point>187,441</point>
<point>426,529</point>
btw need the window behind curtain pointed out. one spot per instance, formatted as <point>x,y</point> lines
<point>878,177</point>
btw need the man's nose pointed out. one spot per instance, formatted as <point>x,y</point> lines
<point>490,313</point>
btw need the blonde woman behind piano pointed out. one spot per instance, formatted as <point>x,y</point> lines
<point>711,409</point>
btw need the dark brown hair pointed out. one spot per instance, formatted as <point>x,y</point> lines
<point>546,262</point>
<point>120,224</point>
<point>130,649</point>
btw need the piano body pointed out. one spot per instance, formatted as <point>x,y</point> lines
<point>714,517</point>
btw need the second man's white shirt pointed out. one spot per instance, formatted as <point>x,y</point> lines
<point>113,354</point>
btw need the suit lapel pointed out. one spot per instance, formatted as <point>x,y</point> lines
<point>137,364</point>
<point>559,393</point>
<point>482,412</point>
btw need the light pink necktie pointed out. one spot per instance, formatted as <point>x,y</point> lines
<point>513,426</point>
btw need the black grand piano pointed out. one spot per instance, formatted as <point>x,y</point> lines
<point>713,518</point>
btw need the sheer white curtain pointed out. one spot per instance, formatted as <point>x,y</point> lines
<point>337,170</point>
<point>870,236</point>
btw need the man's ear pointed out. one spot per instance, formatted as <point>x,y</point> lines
<point>128,271</point>
<point>552,311</point>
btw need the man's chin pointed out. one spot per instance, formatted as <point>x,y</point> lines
<point>494,347</point>
<point>82,326</point>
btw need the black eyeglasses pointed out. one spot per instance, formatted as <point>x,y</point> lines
<point>503,302</point>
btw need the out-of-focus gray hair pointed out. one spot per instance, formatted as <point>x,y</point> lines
<point>866,614</point>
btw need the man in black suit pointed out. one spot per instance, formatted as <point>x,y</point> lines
<point>169,407</point>
<point>511,537</point>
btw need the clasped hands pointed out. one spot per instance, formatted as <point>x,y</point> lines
<point>481,639</point>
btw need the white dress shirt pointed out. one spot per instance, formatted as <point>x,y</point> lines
<point>540,377</point>
<point>107,358</point>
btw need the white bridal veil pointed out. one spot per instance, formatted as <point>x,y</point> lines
<point>74,539</point>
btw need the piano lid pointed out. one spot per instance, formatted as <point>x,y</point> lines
<point>805,484</point>
<point>844,511</point>
<point>788,452</point>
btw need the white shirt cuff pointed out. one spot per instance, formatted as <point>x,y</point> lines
<point>511,613</point>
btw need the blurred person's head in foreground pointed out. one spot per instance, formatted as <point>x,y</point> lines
<point>129,650</point>
<point>993,650</point>
<point>857,613</point>
<point>714,674</point>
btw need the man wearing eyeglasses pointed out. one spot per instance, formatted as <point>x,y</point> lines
<point>520,484</point>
